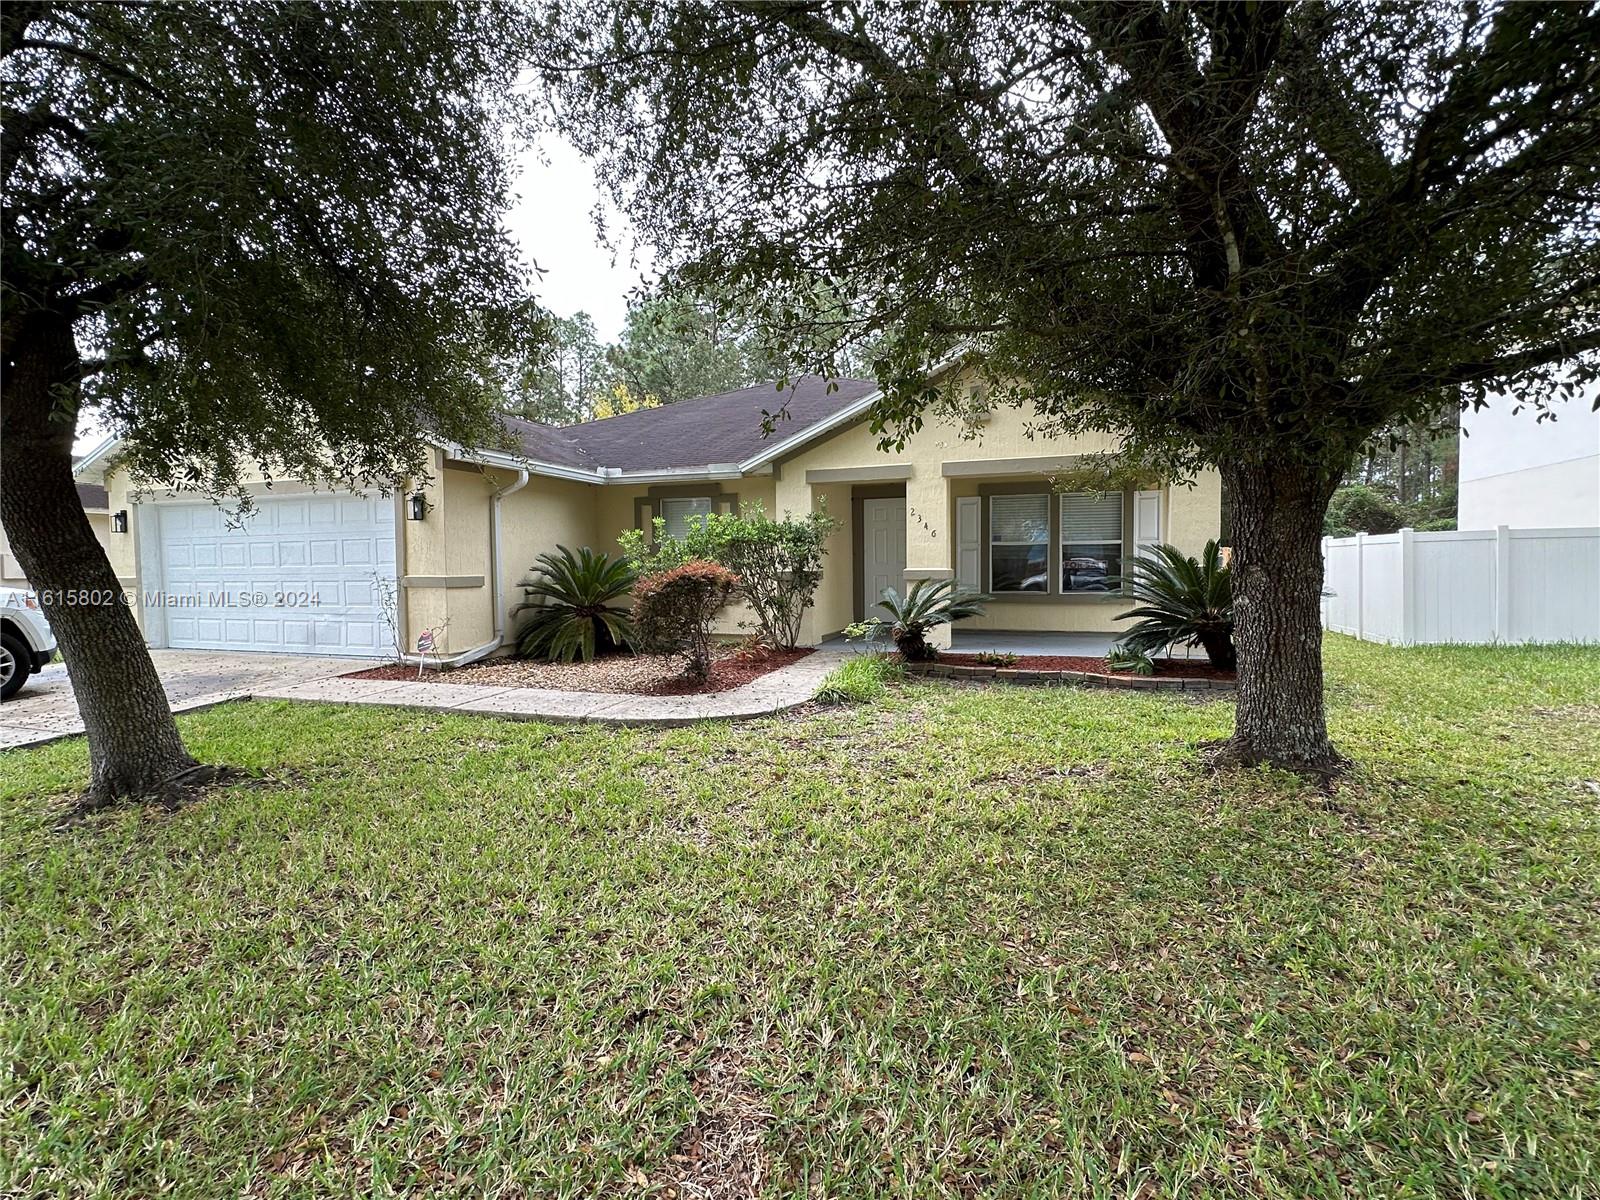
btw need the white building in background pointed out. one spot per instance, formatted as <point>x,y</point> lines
<point>1529,474</point>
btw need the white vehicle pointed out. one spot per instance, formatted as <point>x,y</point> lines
<point>26,642</point>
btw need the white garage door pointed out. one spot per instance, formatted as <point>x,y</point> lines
<point>299,577</point>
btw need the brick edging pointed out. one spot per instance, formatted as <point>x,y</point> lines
<point>1137,683</point>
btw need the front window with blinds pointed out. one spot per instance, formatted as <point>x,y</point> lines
<point>1019,543</point>
<point>677,513</point>
<point>1091,541</point>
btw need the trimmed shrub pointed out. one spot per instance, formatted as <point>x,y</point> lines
<point>673,611</point>
<point>779,563</point>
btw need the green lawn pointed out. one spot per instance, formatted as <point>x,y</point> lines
<point>959,942</point>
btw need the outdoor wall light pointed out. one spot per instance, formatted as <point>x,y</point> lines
<point>416,506</point>
<point>119,521</point>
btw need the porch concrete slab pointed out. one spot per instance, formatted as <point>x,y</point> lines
<point>1084,645</point>
<point>981,641</point>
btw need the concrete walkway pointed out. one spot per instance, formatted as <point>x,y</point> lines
<point>783,689</point>
<point>46,708</point>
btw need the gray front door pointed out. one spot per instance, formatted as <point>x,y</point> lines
<point>884,543</point>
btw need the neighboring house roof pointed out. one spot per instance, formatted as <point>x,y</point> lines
<point>93,497</point>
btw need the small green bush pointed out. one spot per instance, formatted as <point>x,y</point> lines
<point>779,563</point>
<point>860,679</point>
<point>997,658</point>
<point>927,605</point>
<point>1121,658</point>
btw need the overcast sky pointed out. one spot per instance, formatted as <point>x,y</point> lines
<point>553,221</point>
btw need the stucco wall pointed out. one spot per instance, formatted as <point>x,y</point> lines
<point>123,548</point>
<point>540,517</point>
<point>1191,515</point>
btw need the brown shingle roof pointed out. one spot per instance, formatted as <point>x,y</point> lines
<point>551,444</point>
<point>92,496</point>
<point>724,428</point>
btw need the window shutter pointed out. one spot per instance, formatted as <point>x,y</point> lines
<point>1018,520</point>
<point>969,542</point>
<point>1146,521</point>
<point>1091,517</point>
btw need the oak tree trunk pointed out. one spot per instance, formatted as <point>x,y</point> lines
<point>134,746</point>
<point>1277,601</point>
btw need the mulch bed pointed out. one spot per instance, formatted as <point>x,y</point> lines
<point>1169,668</point>
<point>626,674</point>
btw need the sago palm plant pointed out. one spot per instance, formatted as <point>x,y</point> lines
<point>1182,601</point>
<point>926,606</point>
<point>571,601</point>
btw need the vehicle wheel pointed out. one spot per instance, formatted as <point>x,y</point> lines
<point>16,663</point>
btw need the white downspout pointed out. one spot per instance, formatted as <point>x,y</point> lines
<point>489,647</point>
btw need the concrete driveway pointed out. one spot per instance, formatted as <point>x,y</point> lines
<point>46,709</point>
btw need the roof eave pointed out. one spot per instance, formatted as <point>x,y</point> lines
<point>518,462</point>
<point>676,474</point>
<point>91,467</point>
<point>847,415</point>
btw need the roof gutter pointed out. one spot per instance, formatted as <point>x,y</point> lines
<point>516,462</point>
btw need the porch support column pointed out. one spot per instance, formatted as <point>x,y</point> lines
<point>930,538</point>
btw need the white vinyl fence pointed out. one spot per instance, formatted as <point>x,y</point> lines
<point>1466,586</point>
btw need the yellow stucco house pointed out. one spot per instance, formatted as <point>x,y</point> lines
<point>306,572</point>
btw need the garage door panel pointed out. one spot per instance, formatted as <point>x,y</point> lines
<point>327,548</point>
